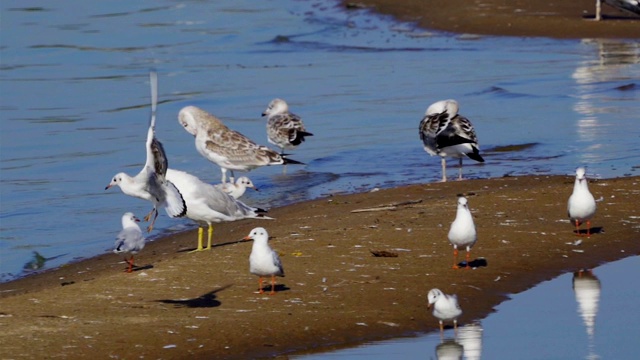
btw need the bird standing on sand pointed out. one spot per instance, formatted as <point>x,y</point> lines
<point>150,183</point>
<point>445,133</point>
<point>237,189</point>
<point>130,239</point>
<point>462,232</point>
<point>227,148</point>
<point>208,204</point>
<point>581,206</point>
<point>284,129</point>
<point>263,261</point>
<point>445,307</point>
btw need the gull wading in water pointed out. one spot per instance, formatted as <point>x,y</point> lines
<point>150,183</point>
<point>284,129</point>
<point>208,204</point>
<point>228,148</point>
<point>445,133</point>
<point>445,307</point>
<point>581,206</point>
<point>130,239</point>
<point>263,261</point>
<point>462,232</point>
<point>237,189</point>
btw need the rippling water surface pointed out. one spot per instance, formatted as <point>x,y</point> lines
<point>75,105</point>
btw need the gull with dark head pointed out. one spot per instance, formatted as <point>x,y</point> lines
<point>582,205</point>
<point>445,307</point>
<point>227,148</point>
<point>130,239</point>
<point>263,261</point>
<point>150,183</point>
<point>445,133</point>
<point>207,204</point>
<point>284,129</point>
<point>462,232</point>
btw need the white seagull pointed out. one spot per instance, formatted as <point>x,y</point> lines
<point>130,239</point>
<point>445,133</point>
<point>263,261</point>
<point>581,206</point>
<point>228,148</point>
<point>150,183</point>
<point>445,307</point>
<point>284,129</point>
<point>207,204</point>
<point>462,232</point>
<point>237,189</point>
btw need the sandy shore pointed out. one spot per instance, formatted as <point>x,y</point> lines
<point>205,305</point>
<point>556,19</point>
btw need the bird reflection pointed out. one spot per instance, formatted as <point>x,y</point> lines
<point>586,287</point>
<point>467,344</point>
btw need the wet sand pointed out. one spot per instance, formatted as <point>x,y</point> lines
<point>205,305</point>
<point>555,19</point>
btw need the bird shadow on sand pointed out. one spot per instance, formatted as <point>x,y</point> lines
<point>476,263</point>
<point>278,288</point>
<point>594,230</point>
<point>207,300</point>
<point>216,245</point>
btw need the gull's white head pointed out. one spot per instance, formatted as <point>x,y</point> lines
<point>580,173</point>
<point>246,182</point>
<point>258,234</point>
<point>187,117</point>
<point>449,106</point>
<point>128,219</point>
<point>433,296</point>
<point>462,201</point>
<point>276,106</point>
<point>116,180</point>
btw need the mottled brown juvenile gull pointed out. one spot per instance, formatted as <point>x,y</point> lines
<point>284,129</point>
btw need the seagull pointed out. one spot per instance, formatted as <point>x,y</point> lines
<point>263,261</point>
<point>463,231</point>
<point>150,183</point>
<point>445,133</point>
<point>630,6</point>
<point>228,148</point>
<point>130,238</point>
<point>208,204</point>
<point>445,307</point>
<point>581,206</point>
<point>237,189</point>
<point>284,129</point>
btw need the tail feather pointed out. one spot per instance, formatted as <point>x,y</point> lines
<point>291,161</point>
<point>475,155</point>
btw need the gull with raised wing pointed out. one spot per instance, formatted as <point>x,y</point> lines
<point>237,189</point>
<point>445,133</point>
<point>263,261</point>
<point>581,206</point>
<point>150,183</point>
<point>207,204</point>
<point>445,307</point>
<point>130,239</point>
<point>284,129</point>
<point>462,232</point>
<point>227,148</point>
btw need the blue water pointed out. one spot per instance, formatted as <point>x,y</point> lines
<point>75,104</point>
<point>553,320</point>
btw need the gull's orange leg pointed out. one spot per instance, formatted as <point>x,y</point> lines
<point>260,282</point>
<point>588,228</point>
<point>130,262</point>
<point>273,285</point>
<point>577,228</point>
<point>468,259</point>
<point>455,258</point>
<point>441,327</point>
<point>150,227</point>
<point>148,216</point>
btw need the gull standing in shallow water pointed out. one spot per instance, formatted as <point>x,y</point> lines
<point>462,232</point>
<point>284,129</point>
<point>207,203</point>
<point>130,238</point>
<point>581,206</point>
<point>150,183</point>
<point>445,133</point>
<point>263,261</point>
<point>237,189</point>
<point>228,148</point>
<point>445,307</point>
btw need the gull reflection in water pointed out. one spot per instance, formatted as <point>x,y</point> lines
<point>586,287</point>
<point>466,345</point>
